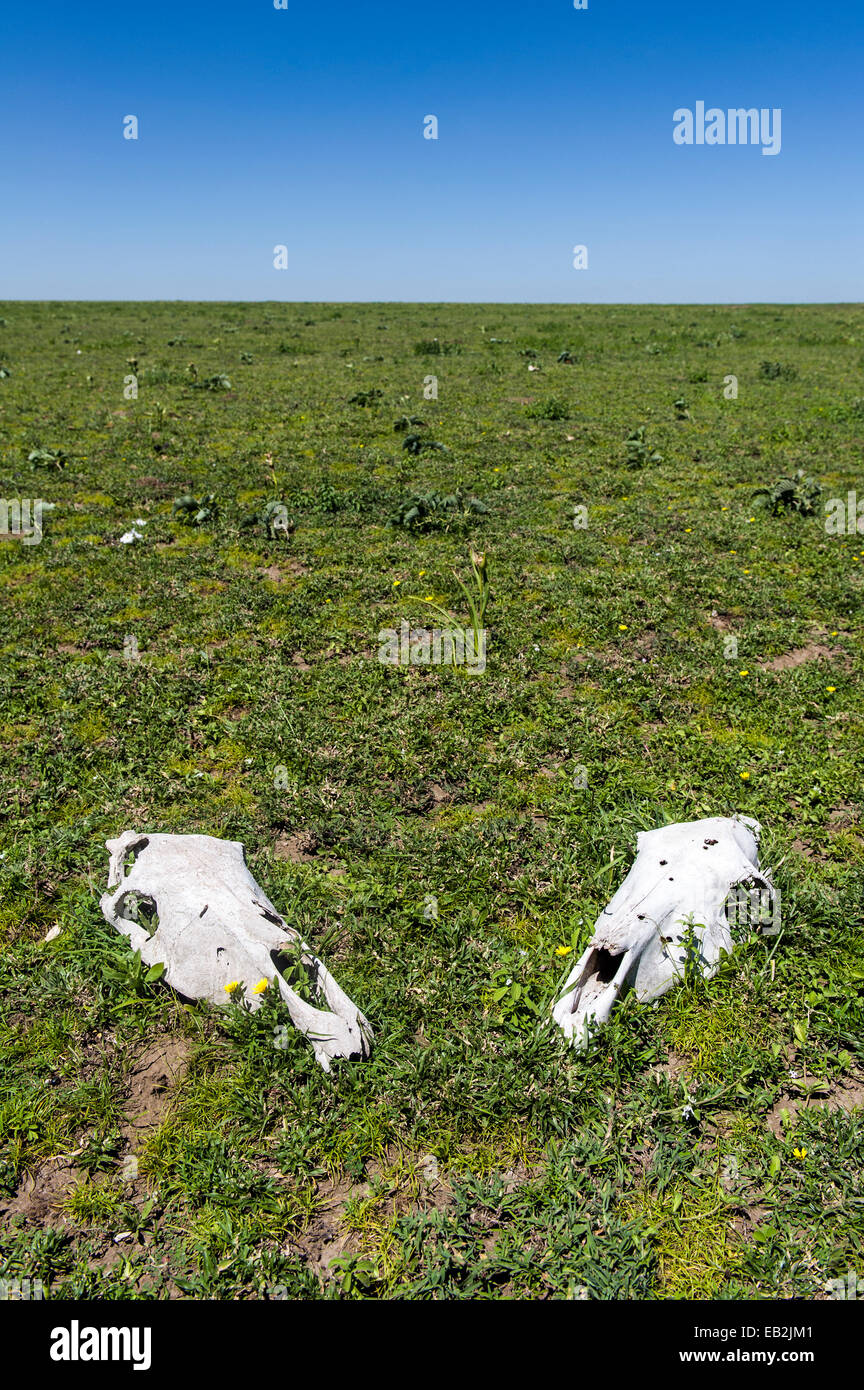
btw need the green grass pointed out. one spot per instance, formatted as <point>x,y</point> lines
<point>259,711</point>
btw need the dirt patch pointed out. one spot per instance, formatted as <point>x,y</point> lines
<point>814,651</point>
<point>422,797</point>
<point>277,574</point>
<point>154,485</point>
<point>41,1192</point>
<point>324,1241</point>
<point>151,1080</point>
<point>674,1069</point>
<point>299,848</point>
<point>847,1095</point>
<point>298,660</point>
<point>721,622</point>
<point>747,1219</point>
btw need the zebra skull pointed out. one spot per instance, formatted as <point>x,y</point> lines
<point>190,903</point>
<point>676,908</point>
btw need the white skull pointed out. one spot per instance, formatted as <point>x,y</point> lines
<point>189,902</point>
<point>676,902</point>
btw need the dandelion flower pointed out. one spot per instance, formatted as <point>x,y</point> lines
<point>563,950</point>
<point>800,1153</point>
<point>261,986</point>
<point>622,627</point>
<point>744,776</point>
<point>231,986</point>
<point>831,689</point>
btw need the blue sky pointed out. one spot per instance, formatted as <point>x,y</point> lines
<point>304,127</point>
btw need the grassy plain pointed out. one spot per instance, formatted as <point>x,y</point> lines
<point>444,840</point>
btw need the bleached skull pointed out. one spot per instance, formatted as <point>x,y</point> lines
<point>189,902</point>
<point>677,905</point>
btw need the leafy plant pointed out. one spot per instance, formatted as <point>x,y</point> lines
<point>47,458</point>
<point>275,519</point>
<point>434,347</point>
<point>4,372</point>
<point>415,444</point>
<point>476,595</point>
<point>565,356</point>
<point>366,397</point>
<point>405,423</point>
<point>799,493</point>
<point>100,1152</point>
<point>194,511</point>
<point>682,410</point>
<point>214,383</point>
<point>637,447</point>
<point>430,511</point>
<point>551,408</point>
<point>774,371</point>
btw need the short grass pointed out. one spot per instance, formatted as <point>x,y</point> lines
<point>445,840</point>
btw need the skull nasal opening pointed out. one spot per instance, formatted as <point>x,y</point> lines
<point>604,965</point>
<point>600,970</point>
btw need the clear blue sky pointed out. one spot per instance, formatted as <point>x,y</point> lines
<point>304,127</point>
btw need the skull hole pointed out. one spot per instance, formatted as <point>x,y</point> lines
<point>141,909</point>
<point>600,970</point>
<point>133,851</point>
<point>299,973</point>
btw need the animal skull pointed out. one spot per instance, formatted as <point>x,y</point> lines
<point>190,902</point>
<point>674,901</point>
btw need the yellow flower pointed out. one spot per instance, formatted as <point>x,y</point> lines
<point>563,950</point>
<point>230,988</point>
<point>831,689</point>
<point>743,673</point>
<point>733,552</point>
<point>421,574</point>
<point>261,986</point>
<point>430,598</point>
<point>396,583</point>
<point>622,627</point>
<point>744,776</point>
<point>800,1153</point>
<point>688,529</point>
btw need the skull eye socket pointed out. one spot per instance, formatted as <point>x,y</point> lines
<point>133,851</point>
<point>141,909</point>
